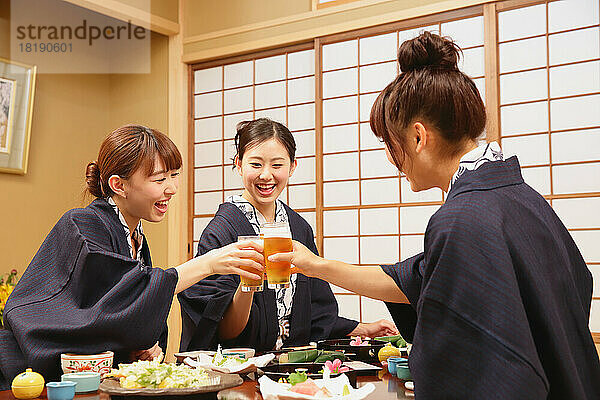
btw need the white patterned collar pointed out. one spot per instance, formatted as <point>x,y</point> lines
<point>475,158</point>
<point>138,233</point>
<point>254,216</point>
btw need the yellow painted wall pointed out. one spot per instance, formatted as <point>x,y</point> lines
<point>161,8</point>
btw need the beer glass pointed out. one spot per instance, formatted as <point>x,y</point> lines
<point>251,285</point>
<point>277,239</point>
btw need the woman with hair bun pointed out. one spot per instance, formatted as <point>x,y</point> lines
<point>501,292</point>
<point>91,286</point>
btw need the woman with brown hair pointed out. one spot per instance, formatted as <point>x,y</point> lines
<point>501,292</point>
<point>91,286</point>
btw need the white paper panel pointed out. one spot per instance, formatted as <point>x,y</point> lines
<point>378,221</point>
<point>341,249</point>
<point>578,178</point>
<point>233,192</point>
<point>574,46</point>
<point>301,90</point>
<point>575,79</point>
<point>269,95</point>
<point>348,306</point>
<point>587,242</point>
<point>340,193</point>
<point>531,150</point>
<point>595,316</point>
<point>472,62</point>
<point>379,250</point>
<point>538,178</point>
<point>207,80</point>
<point>377,77</point>
<point>522,22</point>
<point>578,213</point>
<point>207,203</point>
<point>208,129</point>
<point>240,74</point>
<point>366,103</point>
<point>206,105</point>
<point>480,84</point>
<point>578,112</point>
<point>375,164</point>
<point>340,166</point>
<point>301,63</point>
<point>378,48</point>
<point>340,222</point>
<point>340,83</point>
<point>208,178</point>
<point>230,151</point>
<point>311,218</point>
<point>522,54</point>
<point>576,146</point>
<point>270,69</point>
<point>305,143</point>
<point>524,118</point>
<point>411,246</point>
<point>340,111</point>
<point>233,180</point>
<point>380,191</point>
<point>302,196</point>
<point>523,86</point>
<point>408,196</point>
<point>301,117</point>
<point>595,270</point>
<point>340,55</point>
<point>208,154</point>
<point>374,310</point>
<point>276,114</point>
<point>230,122</point>
<point>368,140</point>
<point>340,138</point>
<point>413,33</point>
<point>305,171</point>
<point>570,14</point>
<point>199,225</point>
<point>337,289</point>
<point>414,219</point>
<point>237,100</point>
<point>465,32</point>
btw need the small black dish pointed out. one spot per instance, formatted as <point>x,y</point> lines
<point>277,371</point>
<point>363,353</point>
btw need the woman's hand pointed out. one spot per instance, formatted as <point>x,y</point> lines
<point>383,327</point>
<point>231,258</point>
<point>302,259</point>
<point>152,353</point>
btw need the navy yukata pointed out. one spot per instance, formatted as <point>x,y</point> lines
<point>502,296</point>
<point>314,314</point>
<point>84,293</point>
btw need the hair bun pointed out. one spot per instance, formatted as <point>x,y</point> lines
<point>92,179</point>
<point>428,50</point>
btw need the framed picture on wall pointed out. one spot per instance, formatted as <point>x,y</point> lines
<point>17,86</point>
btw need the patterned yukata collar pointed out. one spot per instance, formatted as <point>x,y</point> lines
<point>474,159</point>
<point>254,216</point>
<point>138,234</point>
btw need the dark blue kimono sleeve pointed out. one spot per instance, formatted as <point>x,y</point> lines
<point>407,275</point>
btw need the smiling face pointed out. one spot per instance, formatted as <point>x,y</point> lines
<point>265,169</point>
<point>147,197</point>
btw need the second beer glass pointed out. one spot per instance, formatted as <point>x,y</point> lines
<point>277,239</point>
<point>251,285</point>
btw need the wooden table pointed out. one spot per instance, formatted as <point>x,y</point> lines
<point>387,387</point>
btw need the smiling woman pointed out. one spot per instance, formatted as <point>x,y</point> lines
<point>91,286</point>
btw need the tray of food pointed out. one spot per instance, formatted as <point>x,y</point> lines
<point>365,350</point>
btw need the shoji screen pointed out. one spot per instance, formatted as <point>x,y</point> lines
<point>549,57</point>
<point>279,86</point>
<point>370,214</point>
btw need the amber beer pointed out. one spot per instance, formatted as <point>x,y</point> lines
<point>277,239</point>
<point>251,285</point>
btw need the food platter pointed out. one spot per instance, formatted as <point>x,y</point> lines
<point>363,353</point>
<point>219,381</point>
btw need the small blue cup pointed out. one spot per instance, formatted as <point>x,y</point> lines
<point>402,372</point>
<point>393,362</point>
<point>64,390</point>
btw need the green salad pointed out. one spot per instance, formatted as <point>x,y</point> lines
<point>154,375</point>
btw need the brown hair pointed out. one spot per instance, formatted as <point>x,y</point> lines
<point>251,133</point>
<point>432,88</point>
<point>125,150</point>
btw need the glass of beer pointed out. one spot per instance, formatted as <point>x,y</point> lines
<point>251,285</point>
<point>277,239</point>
